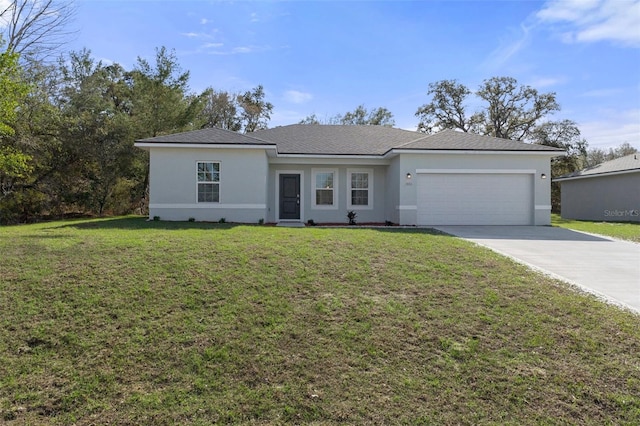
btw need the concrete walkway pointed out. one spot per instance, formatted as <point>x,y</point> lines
<point>606,267</point>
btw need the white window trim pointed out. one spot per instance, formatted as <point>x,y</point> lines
<point>370,189</point>
<point>219,181</point>
<point>334,206</point>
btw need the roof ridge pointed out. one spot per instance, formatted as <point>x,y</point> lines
<point>422,136</point>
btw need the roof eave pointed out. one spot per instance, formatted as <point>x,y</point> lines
<point>594,175</point>
<point>148,145</point>
<point>343,155</point>
<point>395,151</point>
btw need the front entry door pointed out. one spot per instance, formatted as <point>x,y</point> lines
<point>290,196</point>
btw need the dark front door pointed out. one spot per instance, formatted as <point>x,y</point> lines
<point>289,196</point>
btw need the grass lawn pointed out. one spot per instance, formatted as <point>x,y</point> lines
<point>622,230</point>
<point>124,321</point>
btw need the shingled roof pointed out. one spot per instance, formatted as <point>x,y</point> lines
<point>322,139</point>
<point>213,136</point>
<point>454,140</point>
<point>629,163</point>
<point>315,139</point>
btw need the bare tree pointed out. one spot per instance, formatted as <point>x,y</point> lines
<point>447,108</point>
<point>256,111</point>
<point>360,116</point>
<point>512,111</point>
<point>597,155</point>
<point>36,29</point>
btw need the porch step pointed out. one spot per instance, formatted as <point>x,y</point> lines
<point>291,224</point>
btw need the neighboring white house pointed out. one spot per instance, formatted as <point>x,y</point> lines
<point>321,172</point>
<point>607,192</point>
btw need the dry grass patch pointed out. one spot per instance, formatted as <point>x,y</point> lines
<point>133,322</point>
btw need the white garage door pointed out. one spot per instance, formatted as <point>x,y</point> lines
<point>475,199</point>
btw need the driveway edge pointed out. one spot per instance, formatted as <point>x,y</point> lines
<point>573,284</point>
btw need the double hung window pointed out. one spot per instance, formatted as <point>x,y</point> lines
<point>324,186</point>
<point>360,188</point>
<point>208,178</point>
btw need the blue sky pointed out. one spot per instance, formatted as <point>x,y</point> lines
<point>325,58</point>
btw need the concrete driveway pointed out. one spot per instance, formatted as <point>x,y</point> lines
<point>606,267</point>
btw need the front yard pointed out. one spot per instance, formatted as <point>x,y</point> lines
<point>124,321</point>
<point>622,230</point>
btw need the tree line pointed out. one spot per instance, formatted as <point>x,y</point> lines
<point>67,132</point>
<point>68,122</point>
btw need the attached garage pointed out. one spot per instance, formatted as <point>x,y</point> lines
<point>450,197</point>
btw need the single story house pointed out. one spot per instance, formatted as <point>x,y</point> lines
<point>302,172</point>
<point>608,192</point>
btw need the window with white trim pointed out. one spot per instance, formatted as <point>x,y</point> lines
<point>324,186</point>
<point>360,188</point>
<point>208,178</point>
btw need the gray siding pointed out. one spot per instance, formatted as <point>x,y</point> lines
<point>393,192</point>
<point>249,183</point>
<point>614,198</point>
<point>172,177</point>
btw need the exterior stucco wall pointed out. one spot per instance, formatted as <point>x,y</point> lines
<point>173,186</point>
<point>249,183</point>
<point>338,212</point>
<point>537,164</point>
<point>614,198</point>
<point>393,192</point>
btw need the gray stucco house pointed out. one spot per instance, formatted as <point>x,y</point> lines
<point>320,172</point>
<point>608,192</point>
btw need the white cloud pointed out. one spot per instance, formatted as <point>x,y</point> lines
<point>236,50</point>
<point>254,17</point>
<point>208,35</point>
<point>285,117</point>
<point>584,21</point>
<point>519,40</point>
<point>567,10</point>
<point>243,49</point>
<point>212,45</point>
<point>204,21</point>
<point>574,21</point>
<point>297,97</point>
<point>4,5</point>
<point>542,82</point>
<point>612,128</point>
<point>602,93</point>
